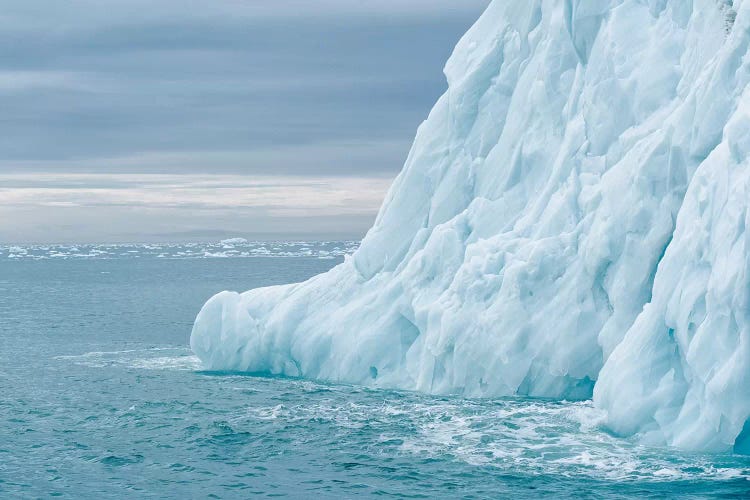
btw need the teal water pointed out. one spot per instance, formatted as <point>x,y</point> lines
<point>101,398</point>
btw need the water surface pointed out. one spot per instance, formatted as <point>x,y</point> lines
<point>101,397</point>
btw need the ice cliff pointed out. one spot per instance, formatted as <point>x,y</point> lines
<point>571,221</point>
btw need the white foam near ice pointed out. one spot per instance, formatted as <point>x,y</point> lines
<point>512,435</point>
<point>590,158</point>
<point>144,359</point>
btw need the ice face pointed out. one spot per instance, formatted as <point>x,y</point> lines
<point>588,159</point>
<point>682,373</point>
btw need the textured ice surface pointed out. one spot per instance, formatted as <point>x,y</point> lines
<point>588,159</point>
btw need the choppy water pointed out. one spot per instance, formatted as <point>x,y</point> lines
<point>102,398</point>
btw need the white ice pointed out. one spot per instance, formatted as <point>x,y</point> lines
<point>572,213</point>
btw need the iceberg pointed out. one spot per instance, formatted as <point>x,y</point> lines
<point>569,223</point>
<point>233,241</point>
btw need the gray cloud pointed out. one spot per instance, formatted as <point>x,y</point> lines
<point>290,89</point>
<point>122,207</point>
<point>83,80</point>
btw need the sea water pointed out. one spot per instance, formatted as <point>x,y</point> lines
<point>100,397</point>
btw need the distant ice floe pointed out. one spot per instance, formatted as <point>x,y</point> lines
<point>233,247</point>
<point>234,241</point>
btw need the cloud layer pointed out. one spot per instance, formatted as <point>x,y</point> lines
<point>290,88</point>
<point>130,207</point>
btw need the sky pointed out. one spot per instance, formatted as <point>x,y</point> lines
<point>177,120</point>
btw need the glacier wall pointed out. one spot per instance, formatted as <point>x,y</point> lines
<point>570,221</point>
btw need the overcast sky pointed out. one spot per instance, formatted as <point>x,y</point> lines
<point>183,119</point>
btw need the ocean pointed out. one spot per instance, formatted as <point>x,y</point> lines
<point>102,398</point>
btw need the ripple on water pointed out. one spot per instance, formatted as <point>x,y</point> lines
<point>386,435</point>
<point>513,435</point>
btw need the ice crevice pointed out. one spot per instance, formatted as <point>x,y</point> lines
<point>570,223</point>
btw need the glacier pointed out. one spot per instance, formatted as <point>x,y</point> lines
<point>570,223</point>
